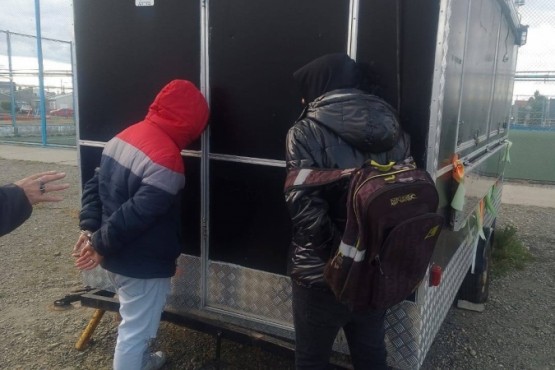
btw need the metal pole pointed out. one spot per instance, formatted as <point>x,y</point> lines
<point>544,111</point>
<point>205,150</point>
<point>73,89</point>
<point>12,90</point>
<point>42,103</point>
<point>352,37</point>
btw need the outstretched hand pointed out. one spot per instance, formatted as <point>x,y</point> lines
<point>38,186</point>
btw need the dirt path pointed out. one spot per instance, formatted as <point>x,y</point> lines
<point>516,331</point>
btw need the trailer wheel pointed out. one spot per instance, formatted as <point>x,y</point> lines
<point>475,287</point>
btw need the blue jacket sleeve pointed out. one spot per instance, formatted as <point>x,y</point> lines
<point>90,216</point>
<point>15,208</point>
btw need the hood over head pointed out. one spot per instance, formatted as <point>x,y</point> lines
<point>181,111</point>
<point>326,73</point>
<point>364,121</point>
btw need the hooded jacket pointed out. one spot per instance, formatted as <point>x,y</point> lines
<point>341,128</point>
<point>132,204</point>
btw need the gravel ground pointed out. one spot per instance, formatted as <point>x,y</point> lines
<point>516,331</point>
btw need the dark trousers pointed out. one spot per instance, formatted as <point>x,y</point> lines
<point>318,316</point>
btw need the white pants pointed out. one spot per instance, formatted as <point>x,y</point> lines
<point>141,304</point>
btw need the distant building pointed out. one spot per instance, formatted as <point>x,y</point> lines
<point>61,101</point>
<point>5,95</point>
<point>27,99</point>
<point>5,87</point>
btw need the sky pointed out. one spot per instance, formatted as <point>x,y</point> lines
<point>57,23</point>
<point>18,16</point>
<point>539,51</point>
<point>56,18</point>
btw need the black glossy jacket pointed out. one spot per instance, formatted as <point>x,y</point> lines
<point>14,208</point>
<point>341,129</point>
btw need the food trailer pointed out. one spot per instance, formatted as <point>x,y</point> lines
<point>446,65</point>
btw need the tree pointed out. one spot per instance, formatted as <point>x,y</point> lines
<point>537,105</point>
<point>6,106</point>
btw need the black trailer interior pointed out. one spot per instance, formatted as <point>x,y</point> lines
<point>126,53</point>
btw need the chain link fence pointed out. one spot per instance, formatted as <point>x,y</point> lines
<point>538,53</point>
<point>534,90</point>
<point>533,115</point>
<point>21,116</point>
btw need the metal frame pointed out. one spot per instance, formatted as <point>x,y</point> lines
<point>461,91</point>
<point>352,39</point>
<point>436,107</point>
<point>495,66</point>
<point>207,155</point>
<point>104,300</point>
<point>205,149</point>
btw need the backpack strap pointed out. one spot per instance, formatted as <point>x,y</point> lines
<point>382,167</point>
<point>298,178</point>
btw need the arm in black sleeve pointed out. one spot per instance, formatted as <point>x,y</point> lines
<point>15,208</point>
<point>308,209</point>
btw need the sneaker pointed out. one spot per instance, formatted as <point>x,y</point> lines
<point>155,361</point>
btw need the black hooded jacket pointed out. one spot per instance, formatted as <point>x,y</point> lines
<point>341,128</point>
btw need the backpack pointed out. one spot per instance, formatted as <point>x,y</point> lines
<point>390,234</point>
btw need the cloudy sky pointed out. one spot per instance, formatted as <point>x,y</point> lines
<point>18,16</point>
<point>56,18</point>
<point>57,23</point>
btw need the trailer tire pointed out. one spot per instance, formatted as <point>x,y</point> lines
<point>475,286</point>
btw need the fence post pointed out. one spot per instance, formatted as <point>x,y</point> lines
<point>42,104</point>
<point>12,90</point>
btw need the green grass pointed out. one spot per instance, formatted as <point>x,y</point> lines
<point>508,252</point>
<point>531,156</point>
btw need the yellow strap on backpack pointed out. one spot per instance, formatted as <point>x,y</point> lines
<point>382,167</point>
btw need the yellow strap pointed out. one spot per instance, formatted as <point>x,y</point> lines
<point>382,167</point>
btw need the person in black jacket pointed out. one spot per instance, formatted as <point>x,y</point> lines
<point>339,128</point>
<point>17,199</point>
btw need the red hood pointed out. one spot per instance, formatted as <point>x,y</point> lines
<point>180,111</point>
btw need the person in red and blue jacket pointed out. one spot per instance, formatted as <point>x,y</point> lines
<point>130,216</point>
